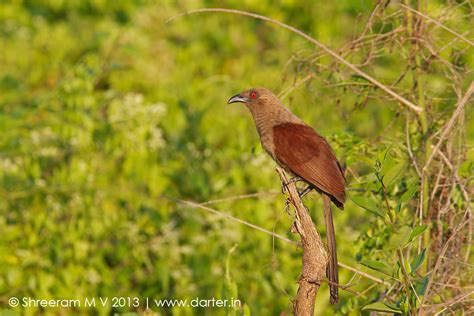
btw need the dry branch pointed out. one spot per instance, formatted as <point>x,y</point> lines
<point>465,39</point>
<point>230,217</point>
<point>204,207</point>
<point>451,122</point>
<point>329,51</point>
<point>315,257</point>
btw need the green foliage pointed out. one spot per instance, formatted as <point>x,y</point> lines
<point>381,307</point>
<point>107,113</point>
<point>392,229</point>
<point>418,260</point>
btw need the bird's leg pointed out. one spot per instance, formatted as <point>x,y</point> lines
<point>292,180</point>
<point>306,191</point>
<point>301,194</point>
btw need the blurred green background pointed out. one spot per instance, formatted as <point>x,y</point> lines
<point>106,111</point>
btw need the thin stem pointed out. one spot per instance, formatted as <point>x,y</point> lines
<point>336,56</point>
<point>275,235</point>
<point>439,24</point>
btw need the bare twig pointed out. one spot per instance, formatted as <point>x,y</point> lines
<point>266,231</point>
<point>368,276</point>
<point>336,56</point>
<point>461,185</point>
<point>450,302</point>
<point>439,24</point>
<point>410,153</point>
<point>450,124</point>
<point>287,91</point>
<point>232,218</point>
<point>240,197</point>
<point>440,257</point>
<point>467,198</point>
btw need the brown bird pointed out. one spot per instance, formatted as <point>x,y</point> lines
<point>297,148</point>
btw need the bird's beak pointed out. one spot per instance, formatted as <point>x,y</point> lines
<point>237,98</point>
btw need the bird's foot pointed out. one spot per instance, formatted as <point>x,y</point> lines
<point>294,228</point>
<point>284,185</point>
<point>305,191</point>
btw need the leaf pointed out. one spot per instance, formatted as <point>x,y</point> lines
<point>377,265</point>
<point>466,168</point>
<point>400,238</point>
<point>381,307</point>
<point>421,286</point>
<point>418,260</point>
<point>416,232</point>
<point>368,205</point>
<point>410,192</point>
<point>392,174</point>
<point>386,152</point>
<point>371,177</point>
<point>388,164</point>
<point>369,161</point>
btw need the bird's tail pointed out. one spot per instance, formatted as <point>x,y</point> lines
<point>331,270</point>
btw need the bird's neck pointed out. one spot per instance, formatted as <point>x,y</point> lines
<point>266,118</point>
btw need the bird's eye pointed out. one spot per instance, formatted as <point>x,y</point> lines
<point>253,95</point>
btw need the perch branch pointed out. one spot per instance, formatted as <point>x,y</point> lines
<point>315,257</point>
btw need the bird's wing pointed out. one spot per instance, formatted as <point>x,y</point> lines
<point>308,155</point>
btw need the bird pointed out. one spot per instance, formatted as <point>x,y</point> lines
<point>300,150</point>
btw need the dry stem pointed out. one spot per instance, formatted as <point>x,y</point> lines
<point>315,257</point>
<point>335,55</point>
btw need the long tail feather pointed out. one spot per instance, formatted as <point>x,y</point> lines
<point>331,270</point>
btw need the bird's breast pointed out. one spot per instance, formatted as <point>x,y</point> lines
<point>265,119</point>
<point>269,146</point>
<point>266,137</point>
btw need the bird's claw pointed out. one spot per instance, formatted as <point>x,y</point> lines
<point>283,188</point>
<point>284,185</point>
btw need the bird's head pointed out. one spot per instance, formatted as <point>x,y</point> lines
<point>254,98</point>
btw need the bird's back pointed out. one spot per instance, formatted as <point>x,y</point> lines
<point>308,155</point>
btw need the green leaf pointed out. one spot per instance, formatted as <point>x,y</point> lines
<point>386,152</point>
<point>387,165</point>
<point>416,232</point>
<point>400,238</point>
<point>368,205</point>
<point>466,168</point>
<point>393,173</point>
<point>410,192</point>
<point>377,265</point>
<point>418,260</point>
<point>381,307</point>
<point>421,286</point>
<point>369,161</point>
<point>371,177</point>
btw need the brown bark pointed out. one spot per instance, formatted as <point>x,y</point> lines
<point>315,257</point>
